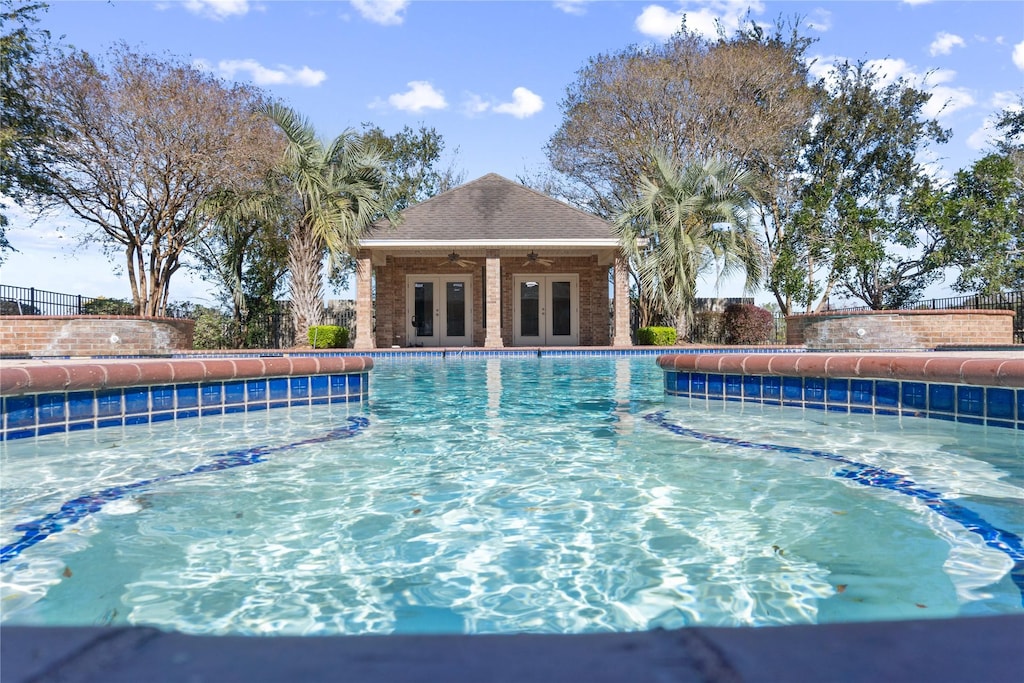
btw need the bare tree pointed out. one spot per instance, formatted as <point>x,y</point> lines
<point>140,143</point>
<point>745,99</point>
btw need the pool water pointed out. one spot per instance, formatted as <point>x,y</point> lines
<point>512,495</point>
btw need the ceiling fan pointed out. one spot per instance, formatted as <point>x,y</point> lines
<point>454,258</point>
<point>534,259</point>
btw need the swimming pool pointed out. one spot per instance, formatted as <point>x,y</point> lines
<point>507,495</point>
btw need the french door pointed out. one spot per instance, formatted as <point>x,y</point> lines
<point>546,310</point>
<point>439,310</point>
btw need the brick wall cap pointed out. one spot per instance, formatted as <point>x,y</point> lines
<point>914,312</point>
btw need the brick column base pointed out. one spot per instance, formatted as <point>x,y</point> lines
<point>364,304</point>
<point>492,300</point>
<point>620,334</point>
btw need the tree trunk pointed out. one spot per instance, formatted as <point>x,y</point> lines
<point>682,327</point>
<point>305,263</point>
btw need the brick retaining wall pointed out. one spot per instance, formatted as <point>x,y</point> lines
<point>93,335</point>
<point>897,330</point>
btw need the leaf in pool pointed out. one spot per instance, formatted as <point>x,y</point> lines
<point>417,511</point>
<point>532,509</point>
<point>841,588</point>
<point>778,550</point>
<point>238,515</point>
<point>919,605</point>
<point>839,512</point>
<point>67,572</point>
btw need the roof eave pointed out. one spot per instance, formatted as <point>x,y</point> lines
<point>598,242</point>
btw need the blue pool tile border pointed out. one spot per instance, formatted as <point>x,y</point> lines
<point>31,415</point>
<point>507,352</point>
<point>970,404</point>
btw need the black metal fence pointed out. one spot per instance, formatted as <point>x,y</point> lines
<point>274,330</point>
<point>707,327</point>
<point>32,301</point>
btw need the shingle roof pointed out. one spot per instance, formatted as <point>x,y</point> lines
<point>492,208</point>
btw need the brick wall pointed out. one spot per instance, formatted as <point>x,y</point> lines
<point>925,329</point>
<point>93,335</point>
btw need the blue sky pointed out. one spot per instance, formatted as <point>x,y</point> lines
<point>489,76</point>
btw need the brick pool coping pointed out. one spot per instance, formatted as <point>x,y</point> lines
<point>975,388</point>
<point>975,368</point>
<point>18,378</point>
<point>46,397</point>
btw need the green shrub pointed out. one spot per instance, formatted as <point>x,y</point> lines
<point>328,337</point>
<point>747,324</point>
<point>105,306</point>
<point>656,336</point>
<point>211,331</point>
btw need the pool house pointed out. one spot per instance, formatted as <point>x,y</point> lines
<point>491,264</point>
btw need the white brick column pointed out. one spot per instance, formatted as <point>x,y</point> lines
<point>620,333</point>
<point>492,301</point>
<point>364,303</point>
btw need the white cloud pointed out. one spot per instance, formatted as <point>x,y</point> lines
<point>421,95</point>
<point>658,22</point>
<point>1018,55</point>
<point>217,9</point>
<point>984,136</point>
<point>385,12</point>
<point>945,97</point>
<point>988,133</point>
<point>944,43</point>
<point>945,101</point>
<point>1005,99</point>
<point>576,7</point>
<point>524,104</point>
<point>475,105</point>
<point>889,70</point>
<point>820,20</point>
<point>917,2</point>
<point>262,75</point>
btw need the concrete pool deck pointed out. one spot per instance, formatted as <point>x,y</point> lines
<point>964,649</point>
<point>980,649</point>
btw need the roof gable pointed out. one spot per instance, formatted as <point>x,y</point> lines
<point>492,208</point>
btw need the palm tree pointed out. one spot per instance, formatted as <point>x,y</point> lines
<point>685,220</point>
<point>339,188</point>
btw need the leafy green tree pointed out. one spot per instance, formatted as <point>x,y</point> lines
<point>412,159</point>
<point>138,145</point>
<point>245,251</point>
<point>868,223</point>
<point>340,188</point>
<point>687,220</point>
<point>985,213</point>
<point>23,124</point>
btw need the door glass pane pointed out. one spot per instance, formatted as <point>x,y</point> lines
<point>423,309</point>
<point>529,309</point>
<point>456,309</point>
<point>561,308</point>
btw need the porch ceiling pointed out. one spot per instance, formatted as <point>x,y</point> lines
<point>379,251</point>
